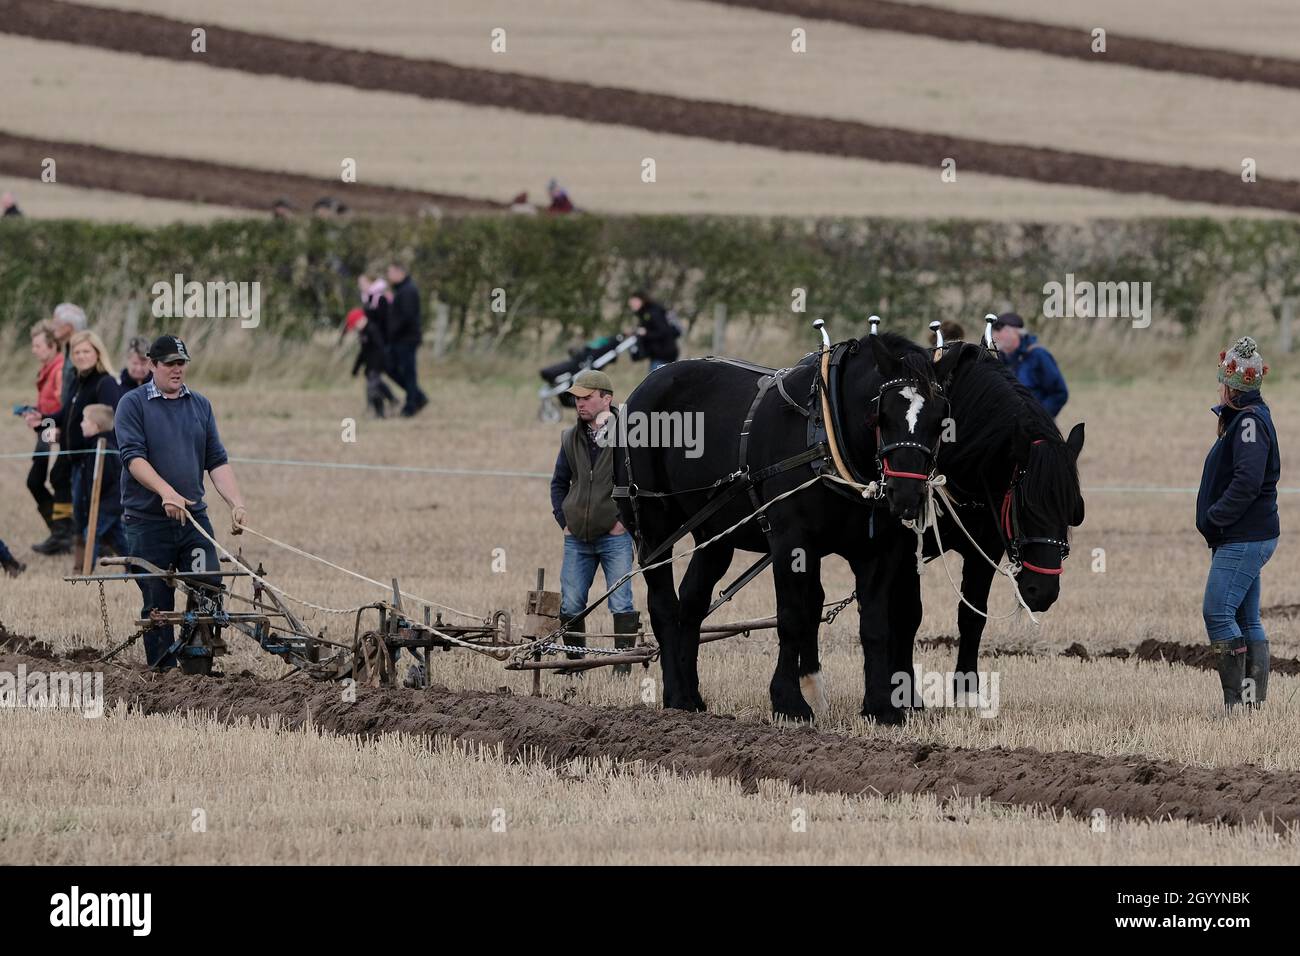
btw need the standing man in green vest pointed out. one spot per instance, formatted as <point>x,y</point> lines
<point>582,499</point>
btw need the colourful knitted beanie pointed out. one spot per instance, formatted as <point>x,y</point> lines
<point>1242,367</point>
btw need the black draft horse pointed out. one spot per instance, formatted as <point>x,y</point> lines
<point>893,383</point>
<point>1016,482</point>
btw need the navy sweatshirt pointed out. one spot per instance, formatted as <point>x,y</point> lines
<point>178,436</point>
<point>1237,500</point>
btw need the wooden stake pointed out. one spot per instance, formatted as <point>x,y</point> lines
<point>92,526</point>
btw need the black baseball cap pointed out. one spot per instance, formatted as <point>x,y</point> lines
<point>1009,318</point>
<point>168,348</point>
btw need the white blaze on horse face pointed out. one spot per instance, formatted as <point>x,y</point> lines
<point>914,404</point>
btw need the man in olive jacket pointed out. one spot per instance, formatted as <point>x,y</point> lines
<point>582,490</point>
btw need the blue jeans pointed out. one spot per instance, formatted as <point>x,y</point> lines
<point>1231,606</point>
<point>656,363</point>
<point>614,554</point>
<point>167,544</point>
<point>5,554</point>
<point>110,531</point>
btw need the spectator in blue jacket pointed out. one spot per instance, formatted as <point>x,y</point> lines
<point>1236,512</point>
<point>1033,364</point>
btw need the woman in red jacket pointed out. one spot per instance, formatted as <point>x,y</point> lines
<point>41,416</point>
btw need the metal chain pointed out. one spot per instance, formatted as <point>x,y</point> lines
<point>103,613</point>
<point>829,616</point>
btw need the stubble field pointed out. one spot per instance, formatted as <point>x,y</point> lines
<point>405,797</point>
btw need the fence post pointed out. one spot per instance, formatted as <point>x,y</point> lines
<point>441,318</point>
<point>1284,325</point>
<point>719,328</point>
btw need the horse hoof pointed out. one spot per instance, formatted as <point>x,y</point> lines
<point>888,718</point>
<point>803,715</point>
<point>813,689</point>
<point>687,702</point>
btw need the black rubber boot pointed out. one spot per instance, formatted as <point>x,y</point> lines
<point>13,567</point>
<point>60,539</point>
<point>1232,669</point>
<point>626,628</point>
<point>1255,687</point>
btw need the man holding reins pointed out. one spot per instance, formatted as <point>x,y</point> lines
<point>167,437</point>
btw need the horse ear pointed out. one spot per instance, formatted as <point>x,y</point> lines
<point>886,363</point>
<point>1075,441</point>
<point>944,368</point>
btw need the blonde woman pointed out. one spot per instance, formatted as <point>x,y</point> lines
<point>94,385</point>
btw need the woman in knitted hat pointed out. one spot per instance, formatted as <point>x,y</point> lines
<point>1236,512</point>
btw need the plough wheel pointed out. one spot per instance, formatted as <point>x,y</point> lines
<point>372,662</point>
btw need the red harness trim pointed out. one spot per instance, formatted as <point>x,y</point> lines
<point>1006,527</point>
<point>889,472</point>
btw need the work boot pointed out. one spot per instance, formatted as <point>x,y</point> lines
<point>60,539</point>
<point>13,567</point>
<point>627,626</point>
<point>1232,669</point>
<point>1255,687</point>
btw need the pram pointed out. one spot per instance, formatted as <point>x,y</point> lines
<point>558,377</point>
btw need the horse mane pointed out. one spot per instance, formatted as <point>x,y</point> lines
<point>911,356</point>
<point>994,409</point>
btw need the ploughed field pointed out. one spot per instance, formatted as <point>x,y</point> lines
<point>1107,707</point>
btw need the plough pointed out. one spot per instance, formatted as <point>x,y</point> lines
<point>381,629</point>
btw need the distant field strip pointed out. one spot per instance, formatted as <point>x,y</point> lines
<point>165,38</point>
<point>1053,39</point>
<point>197,181</point>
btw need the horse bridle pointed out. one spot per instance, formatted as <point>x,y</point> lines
<point>931,453</point>
<point>1009,527</point>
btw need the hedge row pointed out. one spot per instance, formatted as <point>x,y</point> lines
<point>576,271</point>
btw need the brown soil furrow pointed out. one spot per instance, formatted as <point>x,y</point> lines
<point>163,177</point>
<point>157,36</point>
<point>1053,39</point>
<point>720,746</point>
<point>1200,656</point>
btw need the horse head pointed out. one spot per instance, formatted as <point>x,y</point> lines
<point>1041,505</point>
<point>909,413</point>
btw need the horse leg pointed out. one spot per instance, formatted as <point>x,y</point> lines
<point>874,577</point>
<point>976,582</point>
<point>799,598</point>
<point>663,605</point>
<point>695,594</point>
<point>812,686</point>
<point>904,621</point>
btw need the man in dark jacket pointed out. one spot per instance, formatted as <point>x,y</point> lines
<point>1033,364</point>
<point>656,335</point>
<point>582,500</point>
<point>405,332</point>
